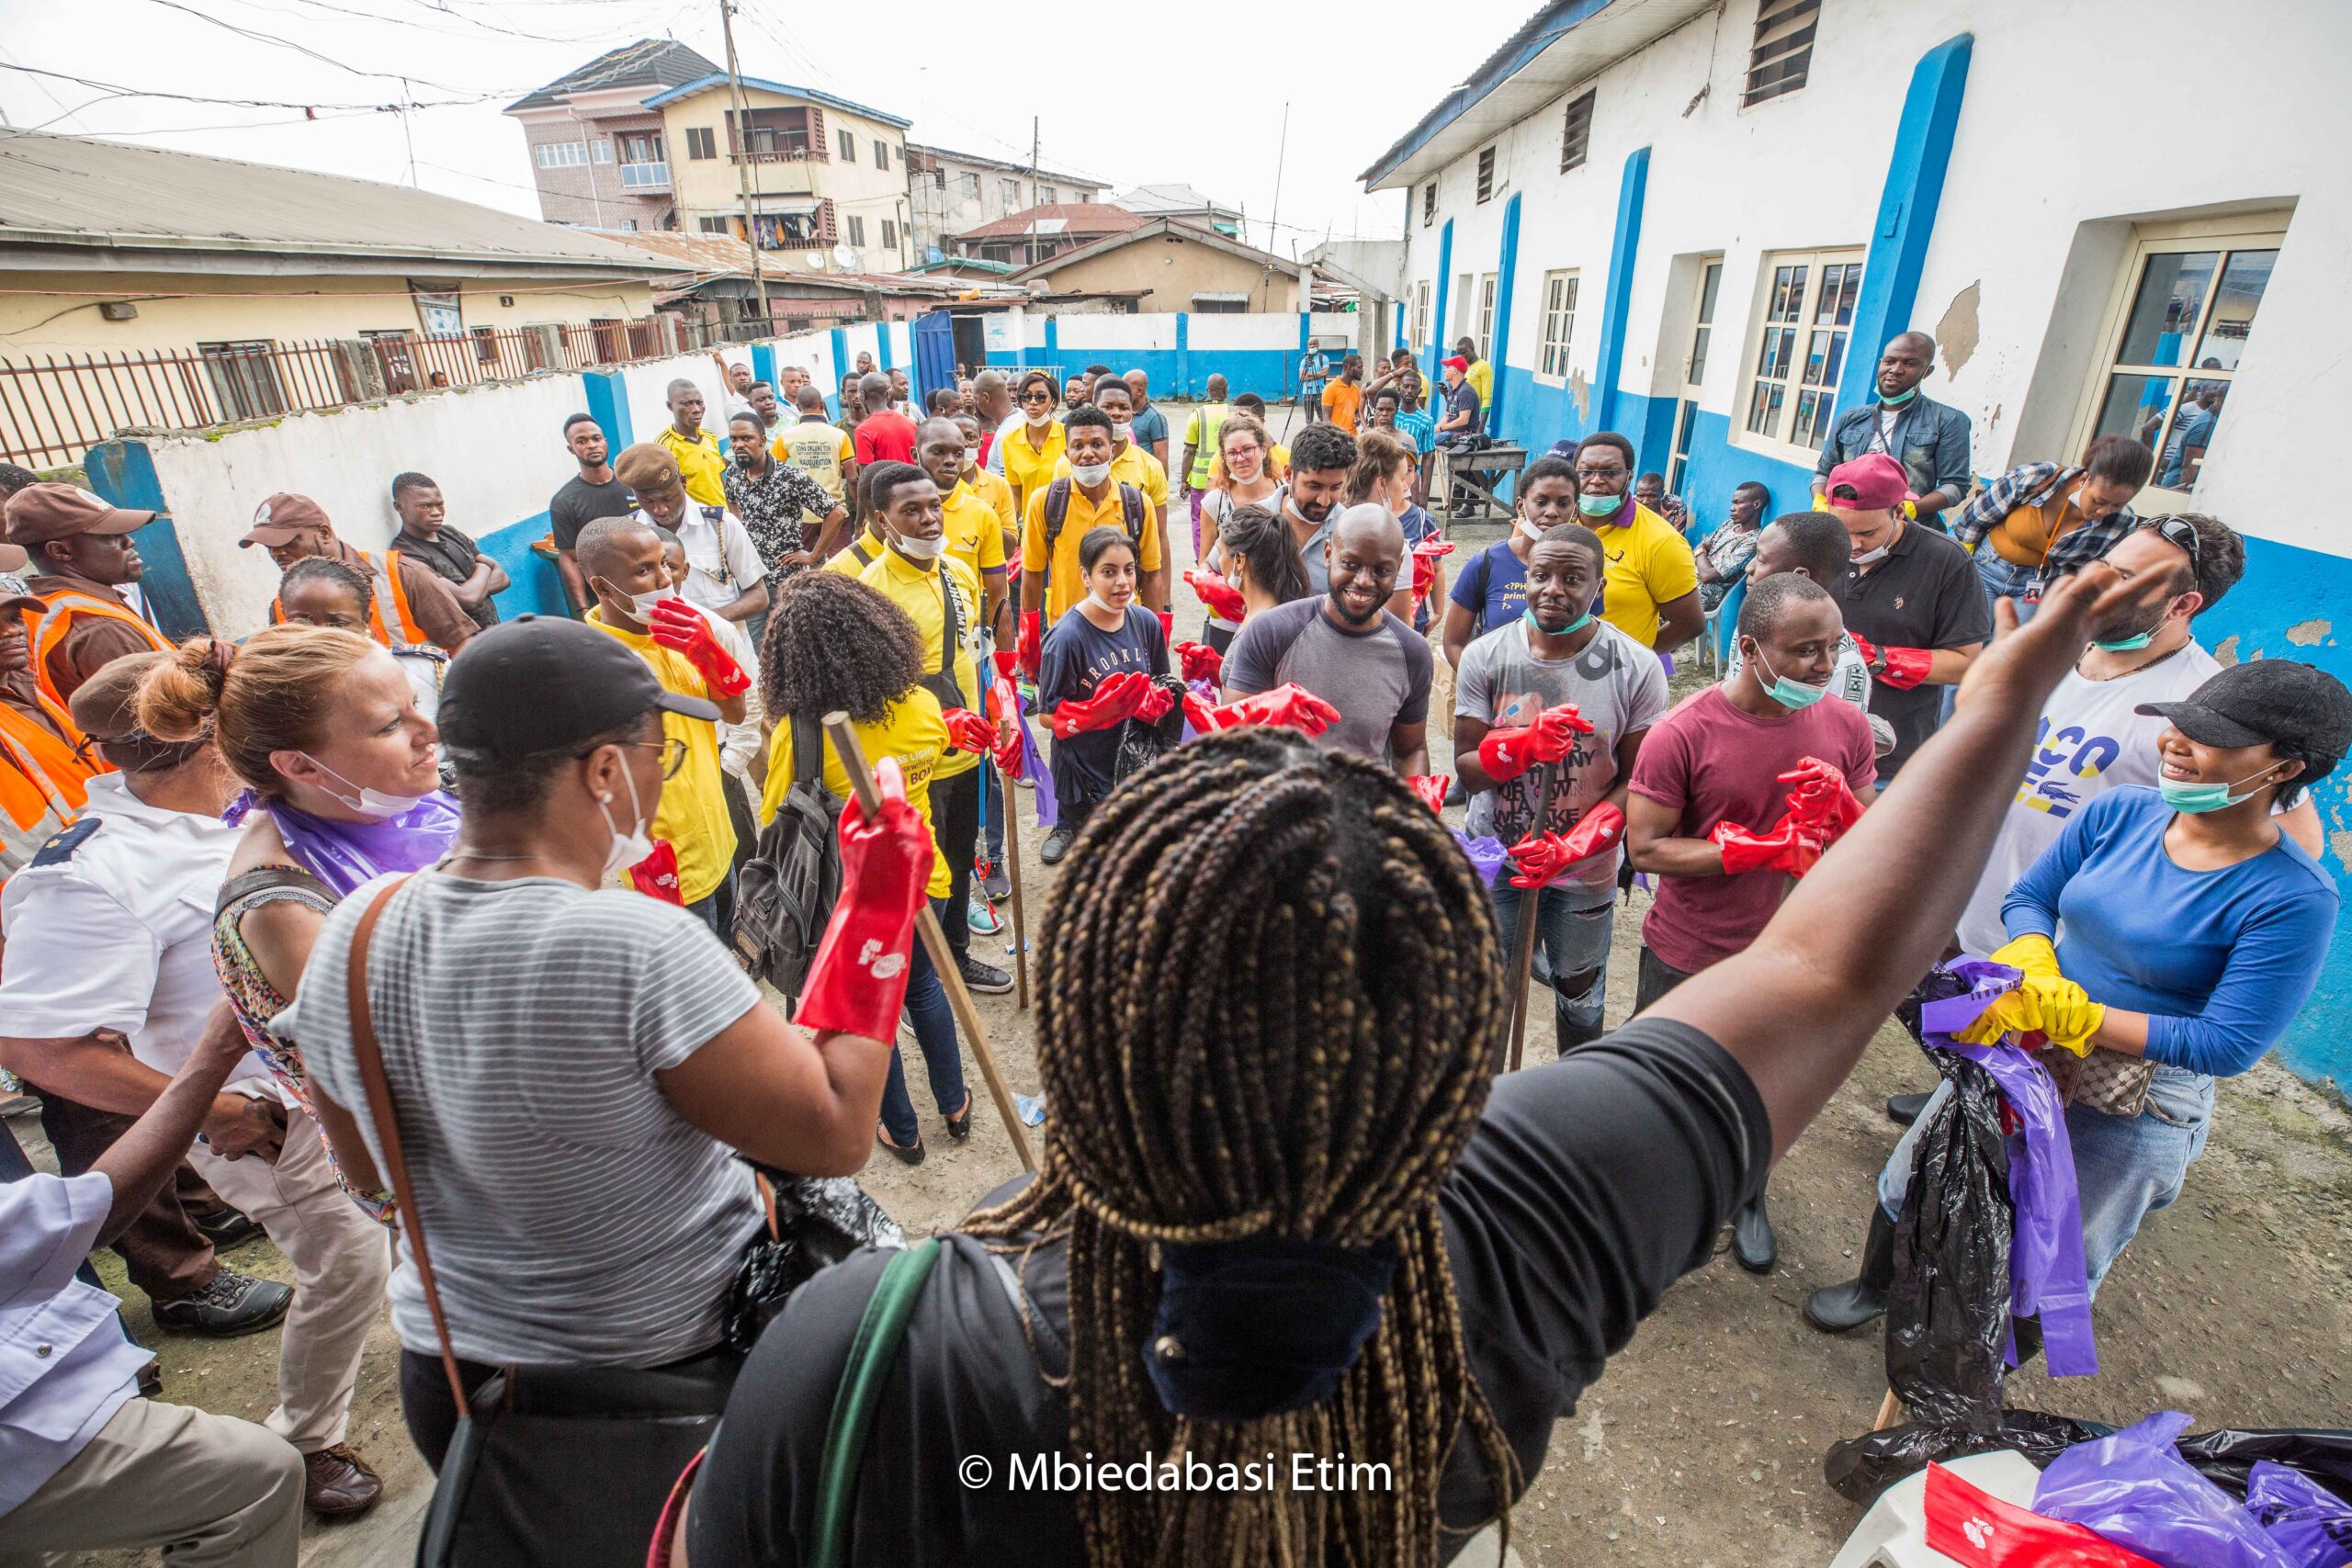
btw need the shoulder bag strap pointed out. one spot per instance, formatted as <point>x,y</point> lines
<point>871,1355</point>
<point>951,625</point>
<point>370,1056</point>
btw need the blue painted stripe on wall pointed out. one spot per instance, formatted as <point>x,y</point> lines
<point>533,586</point>
<point>1184,373</point>
<point>1507,263</point>
<point>124,473</point>
<point>1906,210</point>
<point>1444,288</point>
<point>1617,303</point>
<point>608,405</point>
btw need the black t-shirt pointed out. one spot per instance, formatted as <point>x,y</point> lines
<point>450,556</point>
<point>1926,593</point>
<point>1591,1186</point>
<point>578,504</point>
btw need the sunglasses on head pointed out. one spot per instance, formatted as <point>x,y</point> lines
<point>2172,530</point>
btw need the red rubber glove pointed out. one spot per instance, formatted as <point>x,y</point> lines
<point>656,876</point>
<point>1012,755</point>
<point>967,731</point>
<point>1537,859</point>
<point>1201,662</point>
<point>1117,698</point>
<point>1167,624</point>
<point>1007,662</point>
<point>1025,646</point>
<point>1289,706</point>
<point>1426,556</point>
<point>1597,831</point>
<point>1430,788</point>
<point>1507,754</point>
<point>1155,702</point>
<point>858,979</point>
<point>1541,857</point>
<point>1223,598</point>
<point>1785,847</point>
<point>1901,668</point>
<point>679,626</point>
<point>1819,798</point>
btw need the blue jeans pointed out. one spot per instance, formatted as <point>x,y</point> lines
<point>993,813</point>
<point>935,1032</point>
<point>2006,580</point>
<point>1572,934</point>
<point>2126,1168</point>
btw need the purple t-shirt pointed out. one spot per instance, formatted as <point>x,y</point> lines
<point>1712,762</point>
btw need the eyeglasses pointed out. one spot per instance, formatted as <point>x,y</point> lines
<point>673,754</point>
<point>2172,530</point>
<point>1037,395</point>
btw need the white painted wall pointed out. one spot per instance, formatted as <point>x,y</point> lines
<point>646,392</point>
<point>496,452</point>
<point>1206,333</point>
<point>2038,168</point>
<point>1085,335</point>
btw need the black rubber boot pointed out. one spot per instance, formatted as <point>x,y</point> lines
<point>1840,1309</point>
<point>1903,1109</point>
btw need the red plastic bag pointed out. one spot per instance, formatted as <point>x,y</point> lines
<point>1971,1527</point>
<point>656,876</point>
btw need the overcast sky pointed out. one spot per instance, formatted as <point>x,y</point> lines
<point>1122,101</point>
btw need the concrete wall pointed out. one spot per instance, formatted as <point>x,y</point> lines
<point>1171,271</point>
<point>1179,350</point>
<point>2002,227</point>
<point>55,313</point>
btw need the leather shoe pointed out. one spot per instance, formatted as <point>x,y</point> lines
<point>1056,844</point>
<point>225,1228</point>
<point>233,1304</point>
<point>337,1482</point>
<point>984,978</point>
<point>1752,1245</point>
<point>1903,1109</point>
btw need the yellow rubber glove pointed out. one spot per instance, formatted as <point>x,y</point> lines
<point>2069,1017</point>
<point>2011,1012</point>
<point>2032,955</point>
<point>1820,501</point>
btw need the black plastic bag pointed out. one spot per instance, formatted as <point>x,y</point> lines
<point>1143,742</point>
<point>819,1221</point>
<point>2224,1457</point>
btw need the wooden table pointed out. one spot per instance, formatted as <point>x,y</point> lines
<point>1481,474</point>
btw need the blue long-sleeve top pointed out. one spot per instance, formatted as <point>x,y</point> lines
<point>2220,961</point>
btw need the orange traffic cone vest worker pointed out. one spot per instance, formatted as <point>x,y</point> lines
<point>80,549</point>
<point>412,607</point>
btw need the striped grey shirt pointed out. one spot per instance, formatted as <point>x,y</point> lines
<point>574,1218</point>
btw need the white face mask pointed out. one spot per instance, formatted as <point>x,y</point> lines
<point>1090,474</point>
<point>1529,530</point>
<point>626,849</point>
<point>371,801</point>
<point>1121,431</point>
<point>1872,557</point>
<point>1037,419</point>
<point>1102,604</point>
<point>919,549</point>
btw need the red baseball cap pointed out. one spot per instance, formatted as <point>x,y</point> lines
<point>283,516</point>
<point>1877,482</point>
<point>1456,361</point>
<point>41,512</point>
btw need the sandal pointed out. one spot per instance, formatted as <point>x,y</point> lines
<point>959,1127</point>
<point>908,1155</point>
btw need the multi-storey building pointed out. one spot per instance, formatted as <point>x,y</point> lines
<point>952,193</point>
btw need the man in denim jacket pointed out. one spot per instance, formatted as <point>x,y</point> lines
<point>1929,439</point>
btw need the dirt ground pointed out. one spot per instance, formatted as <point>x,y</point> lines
<point>1703,1444</point>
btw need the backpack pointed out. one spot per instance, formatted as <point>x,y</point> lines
<point>941,683</point>
<point>1131,513</point>
<point>784,892</point>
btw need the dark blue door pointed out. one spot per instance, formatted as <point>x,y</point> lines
<point>934,354</point>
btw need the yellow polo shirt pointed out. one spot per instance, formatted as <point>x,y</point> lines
<point>1481,377</point>
<point>917,592</point>
<point>993,489</point>
<point>1028,467</point>
<point>693,812</point>
<point>1067,583</point>
<point>974,535</point>
<point>1648,564</point>
<point>844,561</point>
<point>700,464</point>
<point>1135,467</point>
<point>910,730</point>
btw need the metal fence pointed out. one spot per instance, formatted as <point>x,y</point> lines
<point>55,407</point>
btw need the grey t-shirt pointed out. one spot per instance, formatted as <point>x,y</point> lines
<point>574,1218</point>
<point>1377,678</point>
<point>1618,685</point>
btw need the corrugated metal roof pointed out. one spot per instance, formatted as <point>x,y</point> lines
<point>717,78</point>
<point>1057,218</point>
<point>1163,200</point>
<point>71,190</point>
<point>648,62</point>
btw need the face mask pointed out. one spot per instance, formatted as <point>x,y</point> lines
<point>1529,530</point>
<point>1872,557</point>
<point>626,849</point>
<point>1121,431</point>
<point>1789,693</point>
<point>1037,419</point>
<point>919,549</point>
<point>1599,505</point>
<point>1900,399</point>
<point>1102,604</point>
<point>1569,630</point>
<point>371,801</point>
<point>2127,644</point>
<point>2198,798</point>
<point>1090,474</point>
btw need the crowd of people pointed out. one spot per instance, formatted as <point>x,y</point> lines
<point>400,919</point>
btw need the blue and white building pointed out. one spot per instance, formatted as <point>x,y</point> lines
<point>1696,224</point>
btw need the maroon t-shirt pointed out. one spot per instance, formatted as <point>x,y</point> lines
<point>886,438</point>
<point>1711,763</point>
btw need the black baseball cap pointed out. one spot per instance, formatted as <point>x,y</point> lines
<point>2265,700</point>
<point>538,684</point>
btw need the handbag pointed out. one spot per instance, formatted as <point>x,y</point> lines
<point>562,1466</point>
<point>2109,1082</point>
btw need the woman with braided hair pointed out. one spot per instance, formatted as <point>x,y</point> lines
<point>1289,1266</point>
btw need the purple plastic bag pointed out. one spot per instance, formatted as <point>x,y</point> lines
<point>345,855</point>
<point>2312,1525</point>
<point>2135,1490</point>
<point>1034,766</point>
<point>1487,856</point>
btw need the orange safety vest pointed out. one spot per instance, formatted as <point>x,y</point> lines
<point>64,605</point>
<point>40,774</point>
<point>387,573</point>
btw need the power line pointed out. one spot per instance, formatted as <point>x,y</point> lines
<point>118,90</point>
<point>311,53</point>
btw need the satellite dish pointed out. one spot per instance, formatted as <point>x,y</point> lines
<point>816,260</point>
<point>844,257</point>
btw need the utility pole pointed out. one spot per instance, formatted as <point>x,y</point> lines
<point>744,162</point>
<point>1033,188</point>
<point>1274,225</point>
<point>407,134</point>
